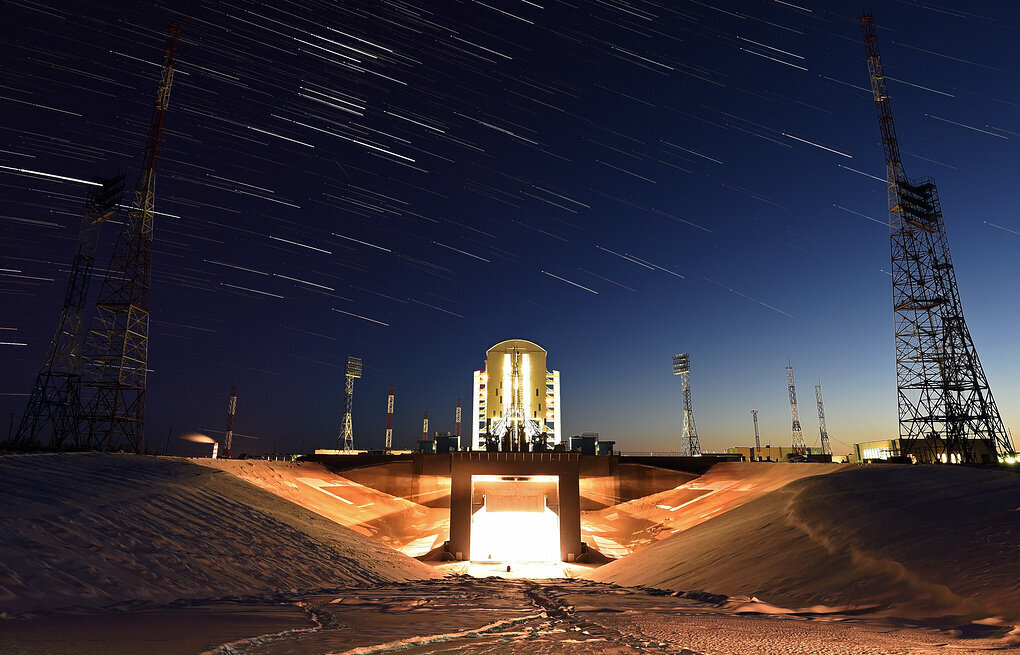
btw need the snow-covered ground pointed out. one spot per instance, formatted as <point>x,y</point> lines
<point>490,616</point>
<point>103,553</point>
<point>93,530</point>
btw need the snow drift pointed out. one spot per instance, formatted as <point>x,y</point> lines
<point>916,542</point>
<point>91,529</point>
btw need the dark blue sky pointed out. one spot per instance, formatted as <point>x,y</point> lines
<point>616,181</point>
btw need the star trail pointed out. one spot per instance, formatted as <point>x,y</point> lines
<point>410,182</point>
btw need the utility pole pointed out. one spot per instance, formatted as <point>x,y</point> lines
<point>799,446</point>
<point>826,448</point>
<point>117,345</point>
<point>689,439</point>
<point>757,441</point>
<point>945,403</point>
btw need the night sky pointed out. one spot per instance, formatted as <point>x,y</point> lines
<point>413,182</point>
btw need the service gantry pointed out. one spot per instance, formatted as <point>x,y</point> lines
<point>117,344</point>
<point>822,432</point>
<point>799,446</point>
<point>352,371</point>
<point>689,439</point>
<point>945,403</point>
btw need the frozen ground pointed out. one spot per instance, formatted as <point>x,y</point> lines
<point>495,616</point>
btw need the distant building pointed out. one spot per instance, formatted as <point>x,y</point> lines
<point>516,400</point>
<point>885,449</point>
<point>780,454</point>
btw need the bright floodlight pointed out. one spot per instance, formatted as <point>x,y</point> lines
<point>515,536</point>
<point>354,367</point>
<point>681,363</point>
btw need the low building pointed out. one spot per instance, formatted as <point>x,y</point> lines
<point>924,451</point>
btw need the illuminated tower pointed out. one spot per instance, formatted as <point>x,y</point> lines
<point>228,434</point>
<point>945,404</point>
<point>117,345</point>
<point>389,420</point>
<point>425,427</point>
<point>516,400</point>
<point>757,440</point>
<point>458,420</point>
<point>798,437</point>
<point>689,440</point>
<point>826,448</point>
<point>54,413</point>
<point>351,372</point>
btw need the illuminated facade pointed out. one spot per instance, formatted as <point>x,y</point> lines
<point>516,400</point>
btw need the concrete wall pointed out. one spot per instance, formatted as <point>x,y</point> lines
<point>564,465</point>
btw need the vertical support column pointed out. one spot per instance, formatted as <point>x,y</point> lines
<point>570,508</point>
<point>460,508</point>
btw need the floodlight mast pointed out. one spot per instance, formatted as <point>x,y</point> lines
<point>351,372</point>
<point>689,439</point>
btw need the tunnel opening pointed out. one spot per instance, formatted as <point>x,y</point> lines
<point>515,518</point>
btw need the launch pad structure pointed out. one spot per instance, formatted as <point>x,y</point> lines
<point>945,404</point>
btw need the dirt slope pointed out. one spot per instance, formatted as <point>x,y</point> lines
<point>95,529</point>
<point>922,541</point>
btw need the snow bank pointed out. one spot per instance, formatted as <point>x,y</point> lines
<point>93,529</point>
<point>919,542</point>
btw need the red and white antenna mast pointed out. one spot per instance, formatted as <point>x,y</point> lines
<point>228,434</point>
<point>389,421</point>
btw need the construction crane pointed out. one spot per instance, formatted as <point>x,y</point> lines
<point>228,434</point>
<point>799,447</point>
<point>389,420</point>
<point>689,439</point>
<point>945,403</point>
<point>757,440</point>
<point>351,372</point>
<point>54,413</point>
<point>117,344</point>
<point>822,433</point>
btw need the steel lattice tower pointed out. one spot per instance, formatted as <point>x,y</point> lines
<point>944,401</point>
<point>822,433</point>
<point>689,439</point>
<point>798,436</point>
<point>228,434</point>
<point>757,440</point>
<point>117,345</point>
<point>54,406</point>
<point>351,372</point>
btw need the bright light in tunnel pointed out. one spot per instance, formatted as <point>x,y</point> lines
<point>515,536</point>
